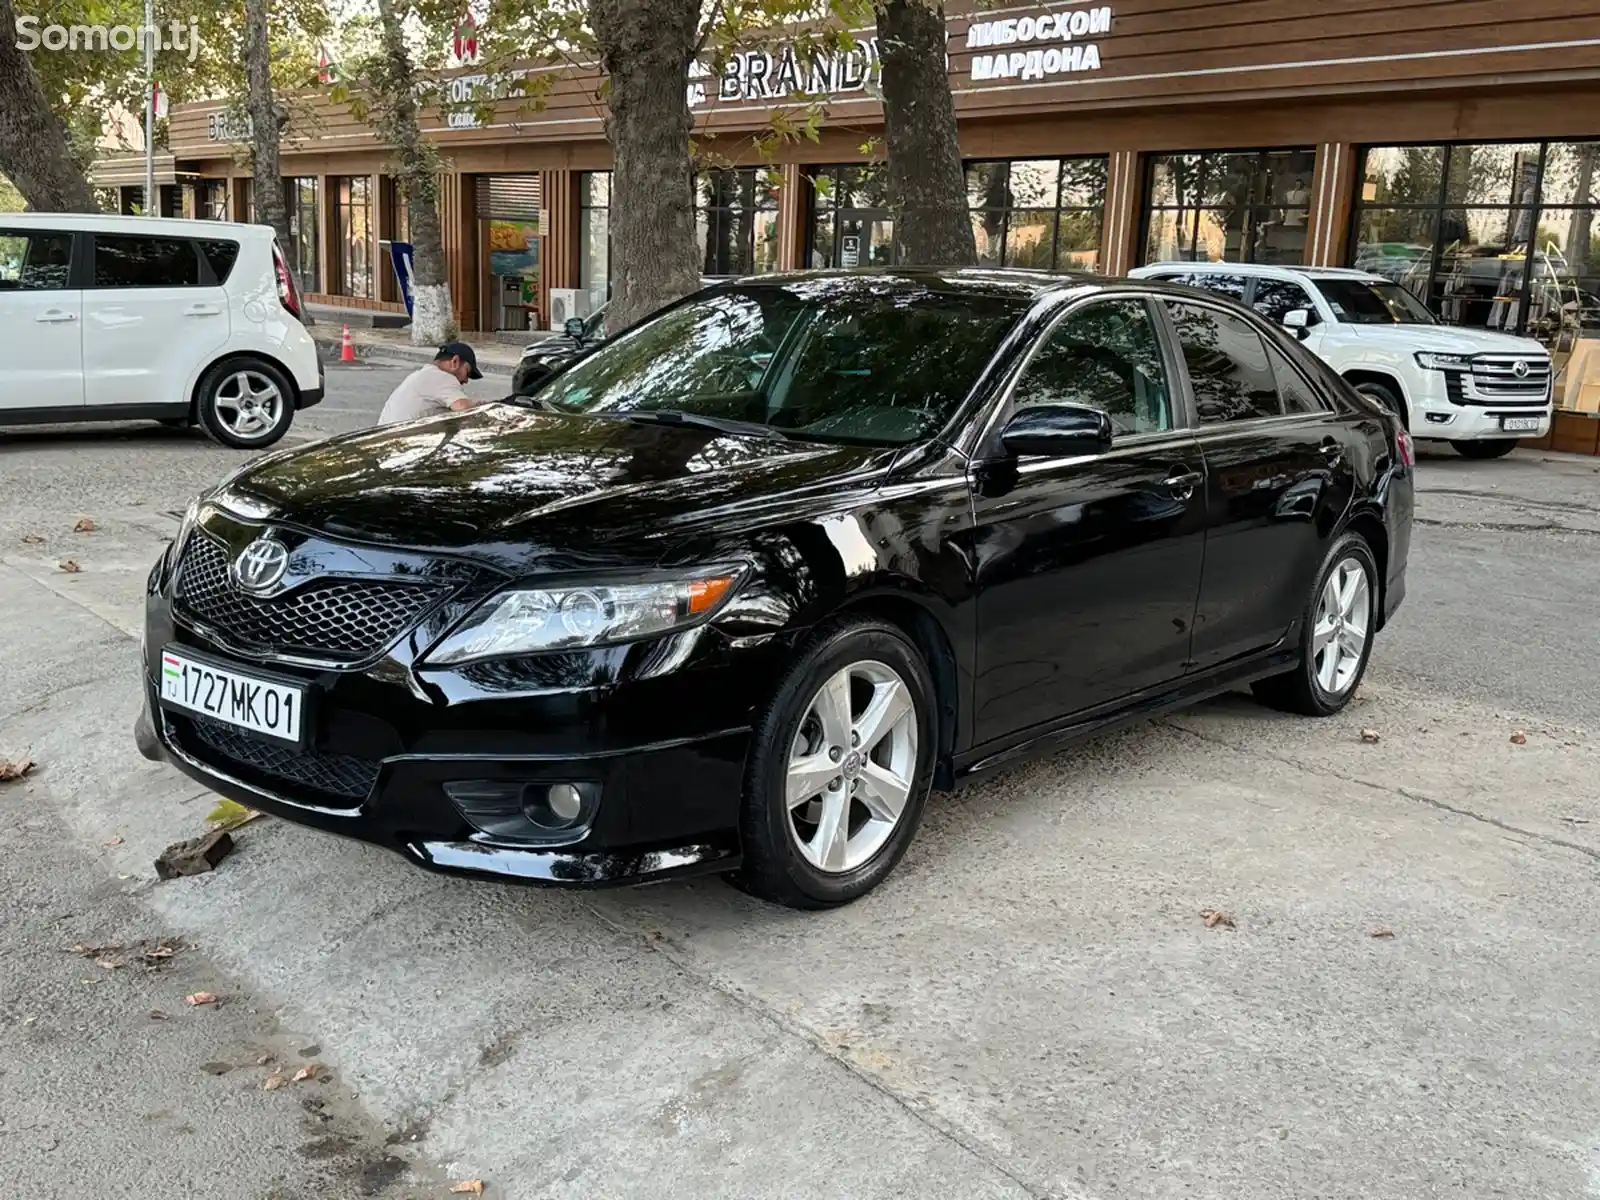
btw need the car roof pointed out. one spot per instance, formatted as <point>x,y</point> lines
<point>1261,270</point>
<point>148,226</point>
<point>978,281</point>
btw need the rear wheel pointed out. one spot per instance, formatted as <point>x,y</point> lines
<point>1336,642</point>
<point>840,769</point>
<point>245,403</point>
<point>1488,448</point>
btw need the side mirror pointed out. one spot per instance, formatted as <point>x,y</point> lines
<point>1057,431</point>
<point>574,328</point>
<point>1298,321</point>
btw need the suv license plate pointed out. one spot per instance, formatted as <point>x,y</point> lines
<point>1520,424</point>
<point>267,707</point>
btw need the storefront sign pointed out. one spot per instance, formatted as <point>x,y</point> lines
<point>850,251</point>
<point>229,125</point>
<point>1065,26</point>
<point>400,256</point>
<point>468,91</point>
<point>759,75</point>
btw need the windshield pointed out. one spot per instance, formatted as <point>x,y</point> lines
<point>1358,302</point>
<point>885,362</point>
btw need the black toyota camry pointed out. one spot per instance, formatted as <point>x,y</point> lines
<point>736,591</point>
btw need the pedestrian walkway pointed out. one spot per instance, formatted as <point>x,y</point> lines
<point>396,343</point>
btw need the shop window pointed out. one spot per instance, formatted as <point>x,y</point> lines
<point>1494,236</point>
<point>736,222</point>
<point>214,200</point>
<point>353,207</point>
<point>1039,213</point>
<point>594,235</point>
<point>305,230</point>
<point>394,226</point>
<point>1225,206</point>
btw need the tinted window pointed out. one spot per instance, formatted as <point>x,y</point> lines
<point>888,364</point>
<point>34,262</point>
<point>221,256</point>
<point>1231,286</point>
<point>1107,357</point>
<point>144,262</point>
<point>1275,298</point>
<point>1361,303</point>
<point>1294,391</point>
<point>1228,367</point>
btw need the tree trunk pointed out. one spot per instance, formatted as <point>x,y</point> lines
<point>927,191</point>
<point>432,312</point>
<point>645,50</point>
<point>33,139</point>
<point>266,124</point>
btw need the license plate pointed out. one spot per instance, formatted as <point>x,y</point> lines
<point>1520,424</point>
<point>264,706</point>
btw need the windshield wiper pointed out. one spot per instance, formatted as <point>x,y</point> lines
<point>673,416</point>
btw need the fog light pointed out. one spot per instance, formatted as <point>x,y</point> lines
<point>1441,418</point>
<point>565,801</point>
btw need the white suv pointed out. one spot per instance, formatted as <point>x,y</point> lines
<point>108,318</point>
<point>1480,391</point>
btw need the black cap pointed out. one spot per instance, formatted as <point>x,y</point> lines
<point>462,351</point>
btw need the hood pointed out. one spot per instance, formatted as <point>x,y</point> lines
<point>1444,339</point>
<point>552,349</point>
<point>510,481</point>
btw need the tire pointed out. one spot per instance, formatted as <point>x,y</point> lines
<point>1305,689</point>
<point>1487,448</point>
<point>271,396</point>
<point>788,857</point>
<point>176,422</point>
<point>1386,397</point>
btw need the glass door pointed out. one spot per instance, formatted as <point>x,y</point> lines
<point>865,238</point>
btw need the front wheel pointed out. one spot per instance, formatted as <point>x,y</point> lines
<point>245,403</point>
<point>840,769</point>
<point>1336,642</point>
<point>1487,448</point>
<point>1387,398</point>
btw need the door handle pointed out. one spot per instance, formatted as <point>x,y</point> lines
<point>202,310</point>
<point>53,315</point>
<point>1181,482</point>
<point>1332,450</point>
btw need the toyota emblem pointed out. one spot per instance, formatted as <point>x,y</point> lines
<point>261,566</point>
<point>1520,369</point>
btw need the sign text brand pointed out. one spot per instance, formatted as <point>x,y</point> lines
<point>1045,27</point>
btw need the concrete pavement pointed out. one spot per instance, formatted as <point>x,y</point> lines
<point>1031,1007</point>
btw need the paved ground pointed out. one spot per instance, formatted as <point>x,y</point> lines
<point>1030,1008</point>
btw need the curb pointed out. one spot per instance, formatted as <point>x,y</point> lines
<point>366,351</point>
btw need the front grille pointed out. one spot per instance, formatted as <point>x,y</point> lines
<point>1495,378</point>
<point>338,780</point>
<point>333,619</point>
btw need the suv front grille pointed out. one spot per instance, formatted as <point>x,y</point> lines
<point>337,620</point>
<point>1494,381</point>
<point>332,780</point>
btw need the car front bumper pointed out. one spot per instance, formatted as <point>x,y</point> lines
<point>661,748</point>
<point>1455,411</point>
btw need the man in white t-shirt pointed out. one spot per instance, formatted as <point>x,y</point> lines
<point>435,388</point>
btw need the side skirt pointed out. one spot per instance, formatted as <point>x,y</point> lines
<point>74,414</point>
<point>1046,739</point>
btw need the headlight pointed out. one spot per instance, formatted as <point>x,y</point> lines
<point>186,526</point>
<point>534,620</point>
<point>1429,361</point>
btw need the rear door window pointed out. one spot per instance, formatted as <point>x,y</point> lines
<point>34,262</point>
<point>1296,394</point>
<point>1277,298</point>
<point>1228,368</point>
<point>1231,286</point>
<point>144,262</point>
<point>220,255</point>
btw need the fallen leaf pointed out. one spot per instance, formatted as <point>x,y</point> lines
<point>1519,738</point>
<point>157,1015</point>
<point>1215,916</point>
<point>161,951</point>
<point>1371,736</point>
<point>14,770</point>
<point>309,1071</point>
<point>32,539</point>
<point>107,964</point>
<point>70,567</point>
<point>274,1082</point>
<point>196,999</point>
<point>1382,931</point>
<point>95,951</point>
<point>229,815</point>
<point>85,525</point>
<point>264,1061</point>
<point>468,1187</point>
<point>116,841</point>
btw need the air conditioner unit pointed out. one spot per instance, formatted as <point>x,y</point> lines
<point>566,303</point>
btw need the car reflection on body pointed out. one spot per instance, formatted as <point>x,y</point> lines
<point>736,591</point>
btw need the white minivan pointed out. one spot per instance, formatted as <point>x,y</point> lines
<point>106,318</point>
<point>1479,390</point>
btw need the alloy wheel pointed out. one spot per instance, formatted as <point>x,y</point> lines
<point>1343,624</point>
<point>851,767</point>
<point>248,404</point>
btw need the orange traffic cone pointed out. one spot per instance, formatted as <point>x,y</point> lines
<point>347,350</point>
